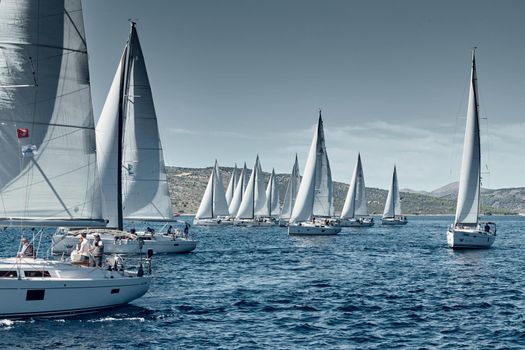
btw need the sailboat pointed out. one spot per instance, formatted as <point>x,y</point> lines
<point>253,211</point>
<point>131,164</point>
<point>48,163</point>
<point>392,213</point>
<point>467,231</point>
<point>240,188</point>
<point>213,210</point>
<point>230,191</point>
<point>290,195</point>
<point>314,207</point>
<point>272,197</point>
<point>355,209</point>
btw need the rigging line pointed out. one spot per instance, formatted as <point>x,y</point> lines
<point>62,48</point>
<point>51,187</point>
<point>76,28</point>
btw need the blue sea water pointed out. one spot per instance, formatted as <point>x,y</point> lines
<point>368,288</point>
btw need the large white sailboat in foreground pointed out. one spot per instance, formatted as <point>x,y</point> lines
<point>131,164</point>
<point>355,209</point>
<point>290,195</point>
<point>392,214</point>
<point>314,207</point>
<point>48,161</point>
<point>467,231</point>
<point>213,209</point>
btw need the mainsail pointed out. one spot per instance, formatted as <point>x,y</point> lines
<point>355,203</point>
<point>48,167</point>
<point>239,191</point>
<point>131,160</point>
<point>254,200</point>
<point>291,191</point>
<point>213,203</point>
<point>393,201</point>
<point>315,196</point>
<point>230,191</point>
<point>272,196</point>
<point>467,211</point>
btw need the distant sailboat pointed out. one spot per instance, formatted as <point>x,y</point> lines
<point>272,197</point>
<point>291,194</point>
<point>314,206</point>
<point>392,213</point>
<point>253,210</point>
<point>230,191</point>
<point>467,231</point>
<point>48,163</point>
<point>131,165</point>
<point>355,209</point>
<point>240,188</point>
<point>213,209</point>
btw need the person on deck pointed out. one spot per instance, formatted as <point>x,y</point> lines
<point>26,250</point>
<point>83,250</point>
<point>97,251</point>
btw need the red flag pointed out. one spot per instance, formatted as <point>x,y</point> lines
<point>22,132</point>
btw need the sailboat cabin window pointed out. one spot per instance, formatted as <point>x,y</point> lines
<point>37,274</point>
<point>8,274</point>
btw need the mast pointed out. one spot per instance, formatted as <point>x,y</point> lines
<point>213,171</point>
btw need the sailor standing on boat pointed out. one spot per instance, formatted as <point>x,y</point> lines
<point>27,249</point>
<point>83,250</point>
<point>97,251</point>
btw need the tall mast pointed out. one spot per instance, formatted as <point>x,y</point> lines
<point>476,104</point>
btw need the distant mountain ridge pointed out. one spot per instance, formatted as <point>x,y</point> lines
<point>187,186</point>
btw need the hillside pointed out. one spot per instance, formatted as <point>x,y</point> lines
<point>187,186</point>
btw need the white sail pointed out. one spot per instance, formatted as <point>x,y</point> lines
<point>254,200</point>
<point>315,196</point>
<point>240,188</point>
<point>145,193</point>
<point>291,192</point>
<point>393,201</point>
<point>355,203</point>
<point>467,211</point>
<point>230,191</point>
<point>272,196</point>
<point>213,203</point>
<point>48,166</point>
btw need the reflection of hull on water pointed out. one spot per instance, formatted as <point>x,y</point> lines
<point>38,288</point>
<point>124,243</point>
<point>312,229</point>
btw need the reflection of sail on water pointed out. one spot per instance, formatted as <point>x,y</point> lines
<point>355,203</point>
<point>315,196</point>
<point>129,111</point>
<point>47,132</point>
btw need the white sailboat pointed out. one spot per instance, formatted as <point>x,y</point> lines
<point>131,164</point>
<point>355,209</point>
<point>467,231</point>
<point>290,195</point>
<point>253,211</point>
<point>240,188</point>
<point>314,206</point>
<point>47,129</point>
<point>213,210</point>
<point>392,213</point>
<point>230,191</point>
<point>272,197</point>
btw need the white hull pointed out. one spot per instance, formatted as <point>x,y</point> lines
<point>254,223</point>
<point>212,222</point>
<point>394,221</point>
<point>66,290</point>
<point>308,229</point>
<point>160,244</point>
<point>469,238</point>
<point>364,222</point>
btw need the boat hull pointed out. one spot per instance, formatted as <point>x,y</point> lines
<point>75,290</point>
<point>160,245</point>
<point>212,222</point>
<point>356,223</point>
<point>313,230</point>
<point>469,239</point>
<point>254,223</point>
<point>394,221</point>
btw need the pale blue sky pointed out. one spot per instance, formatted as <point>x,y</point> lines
<point>235,78</point>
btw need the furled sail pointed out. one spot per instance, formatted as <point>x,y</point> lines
<point>48,167</point>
